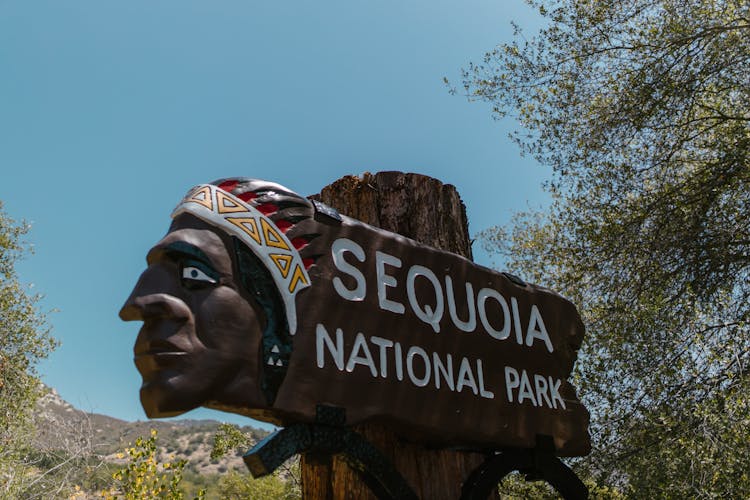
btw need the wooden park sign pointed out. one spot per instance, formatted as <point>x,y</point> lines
<point>261,302</point>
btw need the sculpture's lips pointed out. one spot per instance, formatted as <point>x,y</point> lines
<point>161,354</point>
<point>151,363</point>
<point>158,348</point>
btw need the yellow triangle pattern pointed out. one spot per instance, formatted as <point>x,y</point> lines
<point>283,262</point>
<point>263,236</point>
<point>273,238</point>
<point>248,225</point>
<point>202,197</point>
<point>296,278</point>
<point>226,205</point>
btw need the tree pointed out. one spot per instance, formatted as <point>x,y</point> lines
<point>642,110</point>
<point>24,340</point>
<point>235,485</point>
<point>283,484</point>
<point>143,476</point>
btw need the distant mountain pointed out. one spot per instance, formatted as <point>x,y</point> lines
<point>61,426</point>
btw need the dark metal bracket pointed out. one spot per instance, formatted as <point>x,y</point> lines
<point>329,436</point>
<point>536,464</point>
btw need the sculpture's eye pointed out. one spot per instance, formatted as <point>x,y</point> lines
<point>195,275</point>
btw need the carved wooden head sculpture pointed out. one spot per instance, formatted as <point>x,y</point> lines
<point>217,300</point>
<point>261,302</point>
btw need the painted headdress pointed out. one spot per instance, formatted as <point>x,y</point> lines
<point>260,215</point>
<point>246,215</point>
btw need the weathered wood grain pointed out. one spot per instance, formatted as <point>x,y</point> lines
<point>426,210</point>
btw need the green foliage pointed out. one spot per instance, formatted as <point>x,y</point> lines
<point>283,484</point>
<point>24,340</point>
<point>234,485</point>
<point>516,487</point>
<point>194,485</point>
<point>228,438</point>
<point>143,476</point>
<point>642,109</point>
<point>59,474</point>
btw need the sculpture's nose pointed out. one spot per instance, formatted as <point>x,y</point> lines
<point>152,306</point>
<point>135,307</point>
<point>153,297</point>
<point>130,311</point>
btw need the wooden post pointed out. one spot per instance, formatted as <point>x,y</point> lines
<point>426,210</point>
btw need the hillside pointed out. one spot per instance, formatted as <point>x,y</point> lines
<point>61,426</point>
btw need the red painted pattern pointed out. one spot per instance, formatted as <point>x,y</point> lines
<point>284,225</point>
<point>267,208</point>
<point>299,243</point>
<point>228,186</point>
<point>247,196</point>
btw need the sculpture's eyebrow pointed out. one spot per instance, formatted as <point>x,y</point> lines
<point>188,250</point>
<point>183,249</point>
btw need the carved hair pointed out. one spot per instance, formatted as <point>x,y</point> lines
<point>287,210</point>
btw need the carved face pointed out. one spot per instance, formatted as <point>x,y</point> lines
<point>200,340</point>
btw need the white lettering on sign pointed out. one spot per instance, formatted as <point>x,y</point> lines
<point>545,391</point>
<point>444,369</point>
<point>466,377</point>
<point>426,314</point>
<point>413,352</point>
<point>486,300</point>
<point>386,280</point>
<point>339,247</point>
<point>480,376</point>
<point>422,369</point>
<point>516,320</point>
<point>383,344</point>
<point>399,361</point>
<point>360,355</point>
<point>470,324</point>
<point>482,296</point>
<point>537,329</point>
<point>335,350</point>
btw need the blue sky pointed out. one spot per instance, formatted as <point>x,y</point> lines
<point>110,111</point>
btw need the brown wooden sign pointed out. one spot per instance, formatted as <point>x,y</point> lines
<point>261,302</point>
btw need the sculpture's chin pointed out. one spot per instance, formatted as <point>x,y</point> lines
<point>162,399</point>
<point>172,392</point>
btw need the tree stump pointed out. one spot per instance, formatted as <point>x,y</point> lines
<point>428,211</point>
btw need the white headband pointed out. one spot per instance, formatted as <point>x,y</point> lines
<point>224,210</point>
